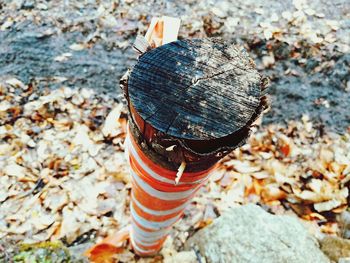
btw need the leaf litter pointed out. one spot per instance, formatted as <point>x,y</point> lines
<point>64,173</point>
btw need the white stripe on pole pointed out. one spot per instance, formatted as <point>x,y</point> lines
<point>160,212</point>
<point>140,249</point>
<point>153,174</point>
<point>151,224</point>
<point>149,235</point>
<point>144,242</point>
<point>168,196</point>
<point>147,241</point>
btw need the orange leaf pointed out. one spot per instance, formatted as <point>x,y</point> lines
<point>104,251</point>
<point>285,149</point>
<point>124,124</point>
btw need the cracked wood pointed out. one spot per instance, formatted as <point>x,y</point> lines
<point>197,89</point>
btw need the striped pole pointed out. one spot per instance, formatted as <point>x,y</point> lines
<point>190,102</point>
<point>157,203</point>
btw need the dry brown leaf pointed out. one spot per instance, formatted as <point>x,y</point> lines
<point>15,170</point>
<point>16,83</point>
<point>112,126</point>
<point>104,251</point>
<point>327,205</point>
<point>77,46</point>
<point>272,192</point>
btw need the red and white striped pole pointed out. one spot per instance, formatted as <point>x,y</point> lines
<point>190,103</point>
<point>156,201</point>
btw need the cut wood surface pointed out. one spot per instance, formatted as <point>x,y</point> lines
<point>195,89</point>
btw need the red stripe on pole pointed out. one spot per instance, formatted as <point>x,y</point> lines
<point>156,203</point>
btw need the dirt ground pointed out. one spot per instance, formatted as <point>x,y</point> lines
<point>302,46</point>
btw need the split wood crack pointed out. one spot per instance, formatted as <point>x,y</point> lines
<point>196,80</point>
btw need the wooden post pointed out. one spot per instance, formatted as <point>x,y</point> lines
<point>200,96</point>
<point>191,102</point>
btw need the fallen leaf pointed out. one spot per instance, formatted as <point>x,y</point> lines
<point>15,170</point>
<point>16,83</point>
<point>104,251</point>
<point>77,46</point>
<point>63,57</point>
<point>111,126</point>
<point>7,24</point>
<point>327,206</point>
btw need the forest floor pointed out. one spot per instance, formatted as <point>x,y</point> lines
<point>63,173</point>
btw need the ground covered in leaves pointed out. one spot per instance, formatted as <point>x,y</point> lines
<point>301,45</point>
<point>63,173</point>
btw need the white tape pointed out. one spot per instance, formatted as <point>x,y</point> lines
<point>156,212</point>
<point>151,224</point>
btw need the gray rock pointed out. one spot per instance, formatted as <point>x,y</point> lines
<point>28,4</point>
<point>77,252</point>
<point>344,220</point>
<point>249,234</point>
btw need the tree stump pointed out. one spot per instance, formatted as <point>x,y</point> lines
<point>200,89</point>
<point>201,95</point>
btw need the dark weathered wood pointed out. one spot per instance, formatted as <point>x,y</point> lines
<point>197,89</point>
